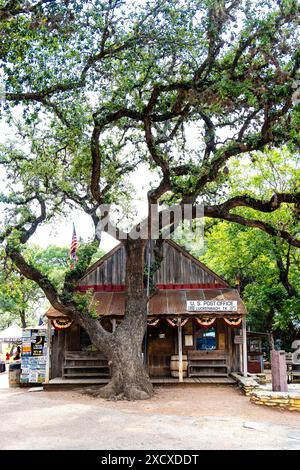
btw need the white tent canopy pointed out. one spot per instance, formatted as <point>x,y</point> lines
<point>11,334</point>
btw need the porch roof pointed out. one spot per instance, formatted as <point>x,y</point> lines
<point>166,303</point>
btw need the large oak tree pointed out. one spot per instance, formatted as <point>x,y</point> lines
<point>101,87</point>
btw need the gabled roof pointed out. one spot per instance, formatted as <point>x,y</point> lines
<point>169,299</point>
<point>196,261</point>
<point>186,269</point>
<point>102,260</point>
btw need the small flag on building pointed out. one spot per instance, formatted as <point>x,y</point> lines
<point>73,249</point>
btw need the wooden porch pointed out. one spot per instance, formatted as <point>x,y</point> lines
<point>59,383</point>
<point>81,368</point>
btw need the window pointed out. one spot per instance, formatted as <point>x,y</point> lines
<point>206,339</point>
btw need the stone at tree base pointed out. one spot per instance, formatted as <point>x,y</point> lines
<point>246,384</point>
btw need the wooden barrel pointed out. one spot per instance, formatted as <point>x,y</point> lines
<point>174,365</point>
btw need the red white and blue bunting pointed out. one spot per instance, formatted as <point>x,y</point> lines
<point>61,323</point>
<point>174,321</point>
<point>206,322</point>
<point>233,321</point>
<point>153,322</point>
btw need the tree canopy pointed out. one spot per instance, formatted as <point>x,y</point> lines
<point>265,269</point>
<point>22,300</point>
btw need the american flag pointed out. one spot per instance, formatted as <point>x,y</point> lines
<point>73,249</point>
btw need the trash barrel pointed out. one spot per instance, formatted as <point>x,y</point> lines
<point>14,372</point>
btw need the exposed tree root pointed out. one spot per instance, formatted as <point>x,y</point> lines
<point>113,392</point>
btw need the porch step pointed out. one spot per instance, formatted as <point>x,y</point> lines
<point>208,374</point>
<point>86,367</point>
<point>208,365</point>
<point>83,355</point>
<point>86,374</point>
<point>86,359</point>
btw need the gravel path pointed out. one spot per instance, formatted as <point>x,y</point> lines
<point>201,417</point>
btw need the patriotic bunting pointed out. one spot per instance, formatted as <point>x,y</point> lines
<point>61,324</point>
<point>233,321</point>
<point>152,322</point>
<point>174,321</point>
<point>206,322</point>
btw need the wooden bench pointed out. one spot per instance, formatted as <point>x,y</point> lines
<point>83,364</point>
<point>209,363</point>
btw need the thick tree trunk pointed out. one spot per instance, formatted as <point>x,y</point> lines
<point>23,318</point>
<point>123,348</point>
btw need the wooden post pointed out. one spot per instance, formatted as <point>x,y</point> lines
<point>180,375</point>
<point>279,372</point>
<point>245,355</point>
<point>240,350</point>
<point>229,340</point>
<point>114,324</point>
<point>48,357</point>
<point>145,358</point>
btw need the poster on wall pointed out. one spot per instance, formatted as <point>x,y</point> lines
<point>33,358</point>
<point>37,345</point>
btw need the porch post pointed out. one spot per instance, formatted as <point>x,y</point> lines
<point>114,324</point>
<point>245,368</point>
<point>47,377</point>
<point>180,375</point>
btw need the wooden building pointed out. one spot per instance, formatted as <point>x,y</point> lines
<point>196,322</point>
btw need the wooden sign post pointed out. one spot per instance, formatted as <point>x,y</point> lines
<point>48,358</point>
<point>279,372</point>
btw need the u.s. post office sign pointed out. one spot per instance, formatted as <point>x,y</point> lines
<point>211,305</point>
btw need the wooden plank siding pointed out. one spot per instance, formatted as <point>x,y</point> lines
<point>180,278</point>
<point>177,267</point>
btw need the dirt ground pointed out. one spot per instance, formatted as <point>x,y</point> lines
<point>178,417</point>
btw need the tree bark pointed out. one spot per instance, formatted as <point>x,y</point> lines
<point>123,348</point>
<point>23,318</point>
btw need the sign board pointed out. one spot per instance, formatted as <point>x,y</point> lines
<point>33,358</point>
<point>238,339</point>
<point>211,305</point>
